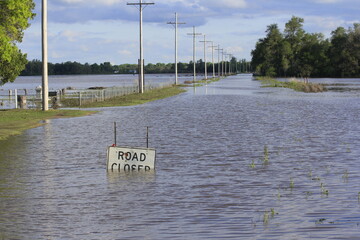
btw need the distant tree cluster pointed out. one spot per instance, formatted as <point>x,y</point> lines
<point>300,54</point>
<point>34,68</point>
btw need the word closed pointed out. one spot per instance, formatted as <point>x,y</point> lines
<point>130,159</point>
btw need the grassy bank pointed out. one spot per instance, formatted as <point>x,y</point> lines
<point>132,99</point>
<point>14,122</point>
<point>293,84</point>
<point>199,83</point>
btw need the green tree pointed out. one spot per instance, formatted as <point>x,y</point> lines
<point>294,34</point>
<point>14,19</point>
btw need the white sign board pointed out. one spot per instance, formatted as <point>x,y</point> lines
<point>130,159</point>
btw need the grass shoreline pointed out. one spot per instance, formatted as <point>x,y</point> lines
<point>295,85</point>
<point>16,121</point>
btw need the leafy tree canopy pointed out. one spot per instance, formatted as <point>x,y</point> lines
<point>297,53</point>
<point>14,19</point>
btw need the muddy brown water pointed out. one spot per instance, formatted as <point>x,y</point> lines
<point>211,181</point>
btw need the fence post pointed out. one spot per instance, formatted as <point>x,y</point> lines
<point>79,98</point>
<point>16,99</point>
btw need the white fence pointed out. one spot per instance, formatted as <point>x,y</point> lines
<point>99,95</point>
<point>9,100</point>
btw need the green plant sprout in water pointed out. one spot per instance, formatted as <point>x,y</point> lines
<point>273,213</point>
<point>359,197</point>
<point>252,165</point>
<point>310,174</point>
<point>279,195</point>
<point>292,184</point>
<point>324,191</point>
<point>266,218</point>
<point>266,154</point>
<point>268,215</point>
<point>345,176</point>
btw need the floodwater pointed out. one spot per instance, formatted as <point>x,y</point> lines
<point>57,82</point>
<point>211,179</point>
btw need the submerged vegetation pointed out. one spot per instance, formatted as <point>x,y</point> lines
<point>292,84</point>
<point>14,122</point>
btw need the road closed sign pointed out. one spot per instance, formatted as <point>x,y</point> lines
<point>130,159</point>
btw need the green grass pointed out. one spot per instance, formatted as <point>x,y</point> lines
<point>199,83</point>
<point>131,99</point>
<point>295,85</point>
<point>14,122</point>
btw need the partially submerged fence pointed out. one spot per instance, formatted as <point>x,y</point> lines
<point>73,97</point>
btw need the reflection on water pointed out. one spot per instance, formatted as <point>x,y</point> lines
<point>211,179</point>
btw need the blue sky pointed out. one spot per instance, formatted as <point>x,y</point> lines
<point>96,31</point>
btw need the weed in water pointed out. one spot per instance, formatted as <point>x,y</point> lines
<point>252,165</point>
<point>320,221</point>
<point>324,191</point>
<point>345,176</point>
<point>359,197</point>
<point>310,174</point>
<point>292,184</point>
<point>273,213</point>
<point>279,195</point>
<point>266,218</point>
<point>266,154</point>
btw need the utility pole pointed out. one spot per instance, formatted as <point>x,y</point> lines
<point>141,60</point>
<point>194,34</point>
<point>219,50</point>
<point>45,81</point>
<point>225,62</point>
<point>212,50</point>
<point>205,55</point>
<point>176,23</point>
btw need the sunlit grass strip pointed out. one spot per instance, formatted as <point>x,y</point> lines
<point>14,122</point>
<point>199,83</point>
<point>295,85</point>
<point>132,99</point>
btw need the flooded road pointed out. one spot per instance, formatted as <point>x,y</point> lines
<point>234,161</point>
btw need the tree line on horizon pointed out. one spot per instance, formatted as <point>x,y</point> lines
<point>34,68</point>
<point>296,53</point>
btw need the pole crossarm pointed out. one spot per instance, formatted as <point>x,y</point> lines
<point>141,4</point>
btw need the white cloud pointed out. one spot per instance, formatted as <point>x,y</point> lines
<point>71,36</point>
<point>125,52</point>
<point>327,1</point>
<point>93,2</point>
<point>226,3</point>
